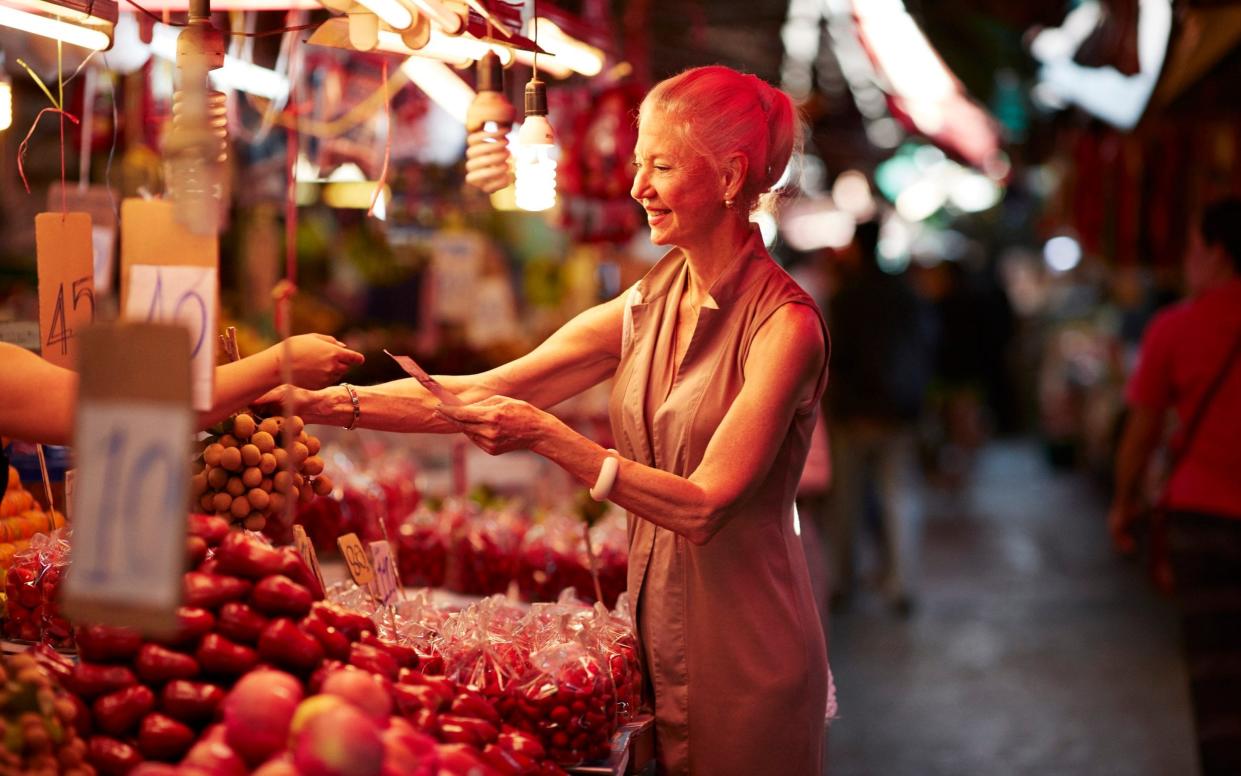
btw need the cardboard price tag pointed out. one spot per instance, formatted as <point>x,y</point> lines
<point>306,549</point>
<point>386,586</point>
<point>151,235</point>
<point>99,202</point>
<point>129,498</point>
<point>356,559</point>
<point>184,295</point>
<point>65,251</point>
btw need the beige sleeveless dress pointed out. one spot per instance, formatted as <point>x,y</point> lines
<point>730,634</point>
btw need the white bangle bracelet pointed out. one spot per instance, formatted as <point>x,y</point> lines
<point>607,476</point>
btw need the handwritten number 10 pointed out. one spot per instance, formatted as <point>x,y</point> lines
<point>137,472</point>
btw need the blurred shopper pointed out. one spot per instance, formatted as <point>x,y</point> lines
<point>1189,365</point>
<point>719,362</point>
<point>885,337</point>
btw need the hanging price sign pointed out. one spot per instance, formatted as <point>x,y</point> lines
<point>306,549</point>
<point>66,283</point>
<point>386,585</point>
<point>100,203</point>
<point>151,235</point>
<point>356,559</point>
<point>183,295</point>
<point>129,499</point>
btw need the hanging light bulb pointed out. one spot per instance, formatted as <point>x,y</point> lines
<point>488,122</point>
<point>6,98</point>
<point>536,143</point>
<point>196,149</point>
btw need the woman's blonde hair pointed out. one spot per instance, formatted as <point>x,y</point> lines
<point>720,111</point>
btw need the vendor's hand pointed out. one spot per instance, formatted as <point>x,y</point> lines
<point>317,360</point>
<point>1120,521</point>
<point>498,424</point>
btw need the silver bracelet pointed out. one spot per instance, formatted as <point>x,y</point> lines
<point>357,406</point>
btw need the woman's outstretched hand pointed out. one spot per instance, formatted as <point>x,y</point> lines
<point>498,424</point>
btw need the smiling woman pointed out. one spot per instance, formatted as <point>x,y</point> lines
<point>719,361</point>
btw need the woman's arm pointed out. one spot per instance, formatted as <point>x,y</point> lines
<point>783,367</point>
<point>582,353</point>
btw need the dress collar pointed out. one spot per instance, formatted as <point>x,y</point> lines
<point>728,286</point>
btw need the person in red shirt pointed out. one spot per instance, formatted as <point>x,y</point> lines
<point>1190,364</point>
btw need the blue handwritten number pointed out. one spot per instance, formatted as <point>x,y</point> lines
<point>193,297</point>
<point>139,471</point>
<point>114,450</point>
<point>156,313</point>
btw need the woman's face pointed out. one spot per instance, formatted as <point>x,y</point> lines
<point>680,191</point>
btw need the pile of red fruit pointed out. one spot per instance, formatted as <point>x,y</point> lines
<point>254,622</point>
<point>32,589</point>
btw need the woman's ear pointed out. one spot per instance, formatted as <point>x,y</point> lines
<point>733,173</point>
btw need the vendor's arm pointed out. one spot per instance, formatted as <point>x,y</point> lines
<point>582,353</point>
<point>37,397</point>
<point>315,360</point>
<point>782,370</point>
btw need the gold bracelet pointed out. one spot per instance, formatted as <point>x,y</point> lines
<point>357,405</point>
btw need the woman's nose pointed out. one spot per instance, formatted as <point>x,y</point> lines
<point>640,185</point>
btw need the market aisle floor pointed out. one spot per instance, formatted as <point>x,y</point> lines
<point>1033,650</point>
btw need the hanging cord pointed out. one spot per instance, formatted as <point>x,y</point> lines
<point>534,67</point>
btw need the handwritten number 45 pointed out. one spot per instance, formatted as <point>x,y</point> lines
<point>59,333</point>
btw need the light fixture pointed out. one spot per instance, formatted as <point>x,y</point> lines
<point>393,12</point>
<point>536,143</point>
<point>568,51</point>
<point>85,23</point>
<point>196,148</point>
<point>441,84</point>
<point>233,75</point>
<point>488,122</point>
<point>423,40</point>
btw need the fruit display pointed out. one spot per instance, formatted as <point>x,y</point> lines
<point>264,675</point>
<point>32,592</point>
<point>476,551</point>
<point>254,466</point>
<point>39,721</point>
<point>21,518</point>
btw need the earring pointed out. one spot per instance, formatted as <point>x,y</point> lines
<point>728,203</point>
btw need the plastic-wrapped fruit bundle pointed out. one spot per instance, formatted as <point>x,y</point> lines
<point>422,549</point>
<point>610,539</point>
<point>40,721</point>
<point>396,475</point>
<point>32,587</point>
<point>553,558</point>
<point>616,644</point>
<point>568,701</point>
<point>363,506</point>
<point>323,520</point>
<point>483,557</point>
<point>250,470</point>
